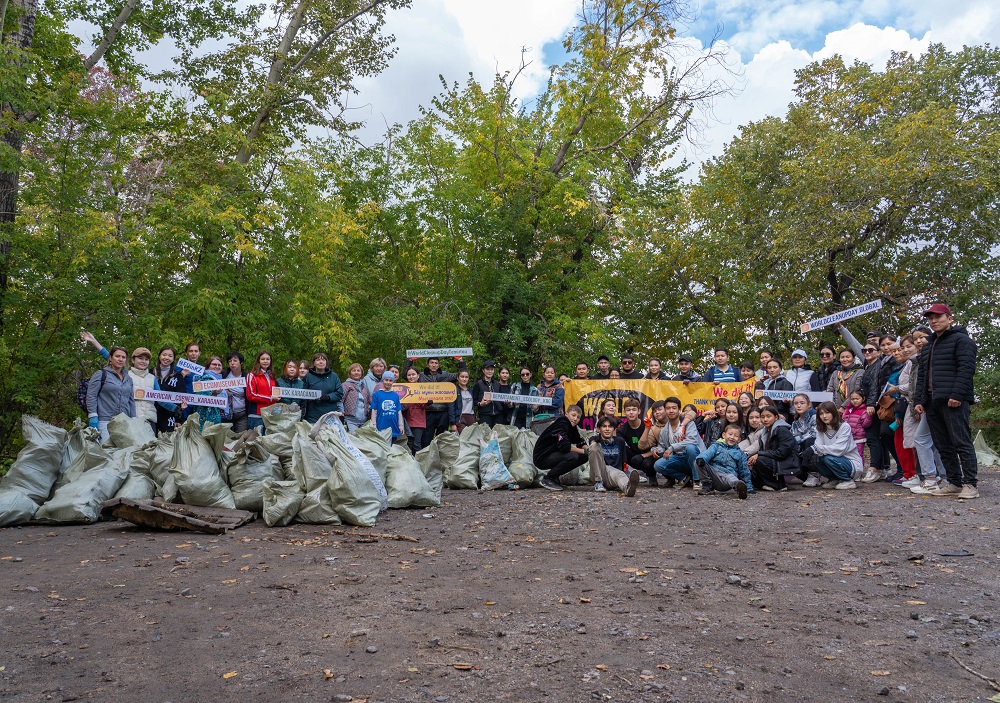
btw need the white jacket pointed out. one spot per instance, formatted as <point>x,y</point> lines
<point>146,409</point>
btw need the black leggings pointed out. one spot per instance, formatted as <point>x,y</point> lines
<point>558,463</point>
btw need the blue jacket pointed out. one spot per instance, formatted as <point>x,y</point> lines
<point>730,460</point>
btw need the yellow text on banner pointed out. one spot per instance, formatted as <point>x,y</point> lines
<point>588,394</point>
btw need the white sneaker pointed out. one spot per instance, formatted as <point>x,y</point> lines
<point>846,485</point>
<point>926,487</point>
<point>871,476</point>
<point>812,482</point>
<point>911,482</point>
<point>599,487</point>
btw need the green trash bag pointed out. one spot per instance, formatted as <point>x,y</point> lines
<point>521,467</point>
<point>81,499</point>
<point>125,431</point>
<point>448,445</point>
<point>217,436</point>
<point>464,473</point>
<point>317,508</point>
<point>505,438</point>
<point>92,455</point>
<point>374,445</point>
<point>153,461</point>
<point>354,495</point>
<point>430,466</point>
<point>79,436</point>
<point>36,467</point>
<point>280,417</point>
<point>245,468</point>
<point>15,508</point>
<point>281,501</point>
<point>310,465</point>
<point>137,487</point>
<point>405,482</point>
<point>196,471</point>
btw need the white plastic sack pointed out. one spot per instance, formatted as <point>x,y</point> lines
<point>354,495</point>
<point>36,467</point>
<point>984,455</point>
<point>15,508</point>
<point>374,444</point>
<point>92,455</point>
<point>317,508</point>
<point>464,473</point>
<point>492,471</point>
<point>331,424</point>
<point>81,500</point>
<point>136,487</point>
<point>153,461</point>
<point>521,467</point>
<point>281,501</point>
<point>79,436</point>
<point>195,470</point>
<point>429,461</point>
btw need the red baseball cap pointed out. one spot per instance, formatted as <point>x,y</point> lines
<point>938,309</point>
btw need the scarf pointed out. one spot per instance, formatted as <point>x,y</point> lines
<point>842,382</point>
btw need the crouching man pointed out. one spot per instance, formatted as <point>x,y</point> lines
<point>607,460</point>
<point>723,466</point>
<point>560,448</point>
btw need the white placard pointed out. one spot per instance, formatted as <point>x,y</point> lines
<point>185,365</point>
<point>212,401</point>
<point>519,399</point>
<point>222,384</point>
<point>842,315</point>
<point>297,393</point>
<point>790,395</point>
<point>446,351</point>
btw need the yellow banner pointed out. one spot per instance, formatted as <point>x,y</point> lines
<point>410,393</point>
<point>590,393</point>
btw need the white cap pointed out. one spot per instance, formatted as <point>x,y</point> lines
<point>799,352</point>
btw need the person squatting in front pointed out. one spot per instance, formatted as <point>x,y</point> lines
<point>560,448</point>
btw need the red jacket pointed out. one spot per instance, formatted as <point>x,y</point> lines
<point>259,387</point>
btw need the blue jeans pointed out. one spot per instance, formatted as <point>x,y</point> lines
<point>679,466</point>
<point>835,467</point>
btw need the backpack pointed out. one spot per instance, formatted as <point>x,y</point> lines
<point>81,390</point>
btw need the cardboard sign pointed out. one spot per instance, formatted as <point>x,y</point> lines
<point>445,352</point>
<point>790,395</point>
<point>235,382</point>
<point>185,365</point>
<point>211,401</point>
<point>518,399</point>
<point>297,393</point>
<point>842,315</point>
<point>410,393</point>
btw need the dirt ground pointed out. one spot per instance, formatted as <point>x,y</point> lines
<point>521,596</point>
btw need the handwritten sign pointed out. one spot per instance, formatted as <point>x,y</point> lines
<point>211,401</point>
<point>445,351</point>
<point>234,382</point>
<point>412,393</point>
<point>296,393</point>
<point>185,365</point>
<point>790,395</point>
<point>518,399</point>
<point>842,315</point>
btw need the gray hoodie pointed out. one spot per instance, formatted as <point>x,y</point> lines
<point>677,439</point>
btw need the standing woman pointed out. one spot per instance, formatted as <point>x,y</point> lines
<point>550,388</point>
<point>213,372</point>
<point>415,415</point>
<point>167,378</point>
<point>775,381</point>
<point>323,379</point>
<point>845,379</point>
<point>461,412</point>
<point>928,457</point>
<point>829,364</point>
<point>357,400</point>
<point>289,378</point>
<point>523,414</point>
<point>905,456</point>
<point>506,409</point>
<point>110,393</point>
<point>303,366</point>
<point>871,390</point>
<point>238,395</point>
<point>260,388</point>
<point>373,379</point>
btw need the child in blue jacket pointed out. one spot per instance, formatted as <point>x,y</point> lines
<point>723,465</point>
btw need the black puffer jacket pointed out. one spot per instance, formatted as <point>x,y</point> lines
<point>870,387</point>
<point>947,366</point>
<point>778,445</point>
<point>560,436</point>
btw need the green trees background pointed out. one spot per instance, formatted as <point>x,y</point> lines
<point>201,202</point>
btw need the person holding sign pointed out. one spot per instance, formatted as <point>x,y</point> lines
<point>462,411</point>
<point>213,372</point>
<point>723,371</point>
<point>482,395</point>
<point>550,387</point>
<point>687,373</point>
<point>415,415</point>
<point>523,413</point>
<point>110,393</point>
<point>289,378</point>
<point>323,379</point>
<point>775,381</point>
<point>237,395</point>
<point>167,378</point>
<point>437,413</point>
<point>387,409</point>
<point>260,389</point>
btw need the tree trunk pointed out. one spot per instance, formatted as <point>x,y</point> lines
<point>21,39</point>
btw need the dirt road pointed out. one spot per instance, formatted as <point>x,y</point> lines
<point>521,596</point>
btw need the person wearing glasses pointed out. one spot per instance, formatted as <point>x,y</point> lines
<point>524,414</point>
<point>828,365</point>
<point>870,388</point>
<point>628,367</point>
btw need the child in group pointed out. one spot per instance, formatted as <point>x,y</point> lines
<point>387,408</point>
<point>723,465</point>
<point>856,415</point>
<point>607,460</point>
<point>755,428</point>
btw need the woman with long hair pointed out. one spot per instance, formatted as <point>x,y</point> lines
<point>260,389</point>
<point>237,395</point>
<point>168,378</point>
<point>835,450</point>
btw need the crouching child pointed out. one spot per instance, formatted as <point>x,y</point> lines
<point>607,460</point>
<point>723,466</point>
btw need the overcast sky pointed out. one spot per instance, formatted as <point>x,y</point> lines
<point>768,40</point>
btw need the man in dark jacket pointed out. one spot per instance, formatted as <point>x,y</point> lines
<point>560,448</point>
<point>323,379</point>
<point>489,410</point>
<point>945,392</point>
<point>437,413</point>
<point>628,369</point>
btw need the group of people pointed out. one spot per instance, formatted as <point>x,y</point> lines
<point>906,399</point>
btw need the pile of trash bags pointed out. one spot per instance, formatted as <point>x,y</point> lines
<point>296,472</point>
